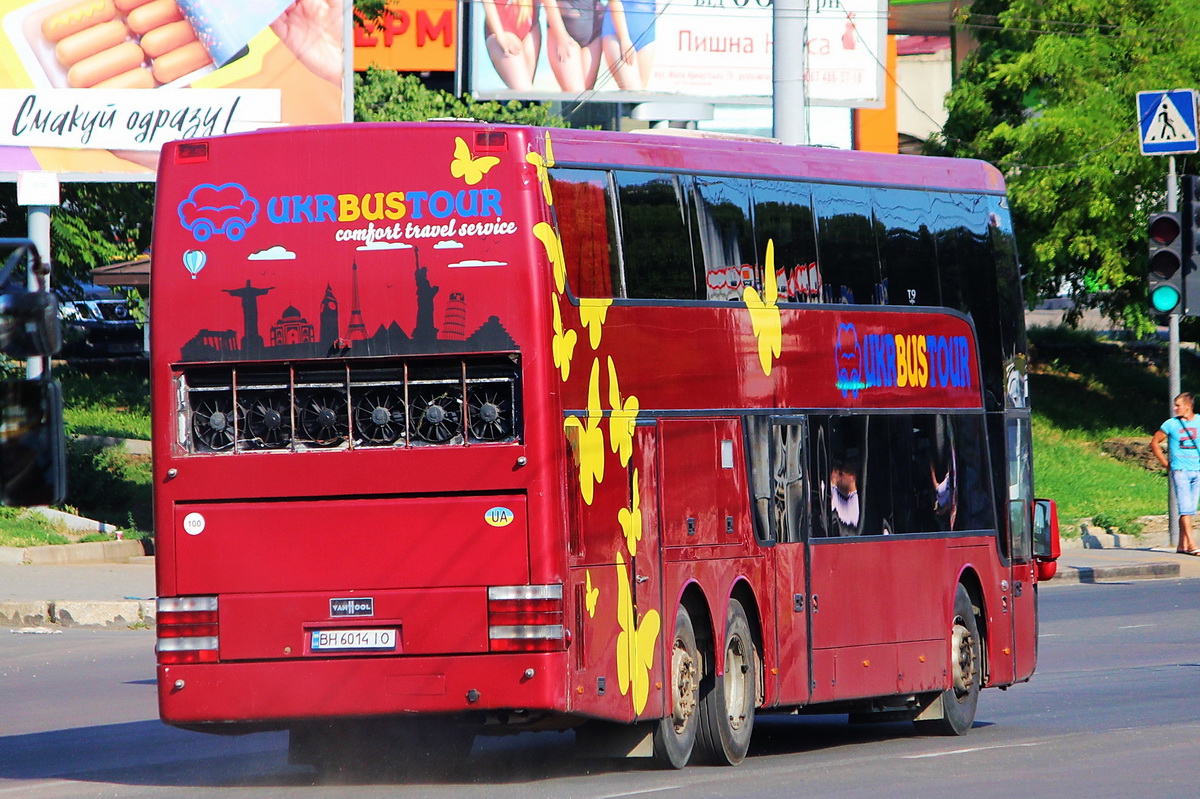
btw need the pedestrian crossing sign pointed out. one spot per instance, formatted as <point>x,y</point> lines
<point>1168,122</point>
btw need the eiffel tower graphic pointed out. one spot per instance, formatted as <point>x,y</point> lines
<point>357,331</point>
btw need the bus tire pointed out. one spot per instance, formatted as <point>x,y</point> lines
<point>675,735</point>
<point>960,700</point>
<point>727,701</point>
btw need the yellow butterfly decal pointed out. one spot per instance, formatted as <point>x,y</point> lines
<point>543,165</point>
<point>548,236</point>
<point>635,643</point>
<point>592,313</point>
<point>590,595</point>
<point>563,343</point>
<point>587,439</point>
<point>631,519</point>
<point>621,421</point>
<point>764,313</point>
<point>471,170</point>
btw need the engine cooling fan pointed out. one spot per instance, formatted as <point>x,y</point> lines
<point>490,410</point>
<point>268,418</point>
<point>437,413</point>
<point>379,416</point>
<point>322,417</point>
<point>213,423</point>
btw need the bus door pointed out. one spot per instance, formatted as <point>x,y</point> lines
<point>1022,593</point>
<point>617,645</point>
<point>781,502</point>
<point>645,568</point>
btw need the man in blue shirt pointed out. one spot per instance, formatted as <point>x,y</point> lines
<point>1182,433</point>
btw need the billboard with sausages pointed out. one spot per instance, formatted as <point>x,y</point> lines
<point>86,85</point>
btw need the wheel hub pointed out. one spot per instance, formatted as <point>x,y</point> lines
<point>684,669</point>
<point>963,659</point>
<point>736,669</point>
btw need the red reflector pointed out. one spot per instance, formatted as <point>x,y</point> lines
<point>186,630</point>
<point>191,152</point>
<point>526,618</point>
<point>187,656</point>
<point>491,141</point>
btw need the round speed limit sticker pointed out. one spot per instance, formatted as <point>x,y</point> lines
<point>193,524</point>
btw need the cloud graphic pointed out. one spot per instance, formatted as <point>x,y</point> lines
<point>471,263</point>
<point>448,244</point>
<point>385,245</point>
<point>276,253</point>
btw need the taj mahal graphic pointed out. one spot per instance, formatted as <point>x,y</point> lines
<point>292,335</point>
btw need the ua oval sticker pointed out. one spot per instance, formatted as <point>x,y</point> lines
<point>498,517</point>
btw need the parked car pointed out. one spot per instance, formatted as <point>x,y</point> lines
<point>98,322</point>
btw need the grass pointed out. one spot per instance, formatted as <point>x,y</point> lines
<point>20,528</point>
<point>1084,391</point>
<point>104,483</point>
<point>112,400</point>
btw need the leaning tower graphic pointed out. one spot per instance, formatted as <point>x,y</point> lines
<point>454,323</point>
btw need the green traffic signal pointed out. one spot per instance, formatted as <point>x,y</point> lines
<point>1164,299</point>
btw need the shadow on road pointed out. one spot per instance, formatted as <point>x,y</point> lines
<point>151,754</point>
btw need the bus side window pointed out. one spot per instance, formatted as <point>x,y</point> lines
<point>849,478</point>
<point>758,458</point>
<point>906,248</point>
<point>583,206</point>
<point>783,215</point>
<point>846,243</point>
<point>787,457</point>
<point>726,237</point>
<point>659,247</point>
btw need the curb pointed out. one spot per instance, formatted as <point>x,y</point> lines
<point>73,554</point>
<point>1072,575</point>
<point>127,614</point>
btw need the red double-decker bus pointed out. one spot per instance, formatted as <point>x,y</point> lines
<point>467,428</point>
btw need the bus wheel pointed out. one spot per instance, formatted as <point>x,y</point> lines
<point>727,702</point>
<point>960,701</point>
<point>675,735</point>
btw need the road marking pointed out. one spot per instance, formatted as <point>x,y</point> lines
<point>1135,626</point>
<point>638,793</point>
<point>965,751</point>
<point>37,786</point>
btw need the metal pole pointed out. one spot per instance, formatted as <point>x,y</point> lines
<point>789,58</point>
<point>1172,360</point>
<point>38,222</point>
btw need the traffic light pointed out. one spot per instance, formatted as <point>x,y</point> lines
<point>1166,262</point>
<point>1189,218</point>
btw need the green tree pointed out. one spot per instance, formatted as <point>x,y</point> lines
<point>96,224</point>
<point>384,96</point>
<point>1049,97</point>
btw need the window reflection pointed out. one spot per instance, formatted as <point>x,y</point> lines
<point>726,237</point>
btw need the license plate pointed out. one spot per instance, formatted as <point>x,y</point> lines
<point>332,640</point>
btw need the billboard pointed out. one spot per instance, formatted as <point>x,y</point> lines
<point>411,36</point>
<point>91,89</point>
<point>635,50</point>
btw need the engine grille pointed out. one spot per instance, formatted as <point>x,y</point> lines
<point>412,403</point>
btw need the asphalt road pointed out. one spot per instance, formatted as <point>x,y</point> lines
<point>1111,713</point>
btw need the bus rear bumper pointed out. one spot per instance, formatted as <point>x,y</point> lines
<point>268,692</point>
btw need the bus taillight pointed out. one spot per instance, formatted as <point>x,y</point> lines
<point>526,618</point>
<point>187,629</point>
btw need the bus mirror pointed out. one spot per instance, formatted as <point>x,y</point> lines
<point>1046,545</point>
<point>29,323</point>
<point>33,458</point>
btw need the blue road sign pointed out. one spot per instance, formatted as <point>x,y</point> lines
<point>1168,122</point>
